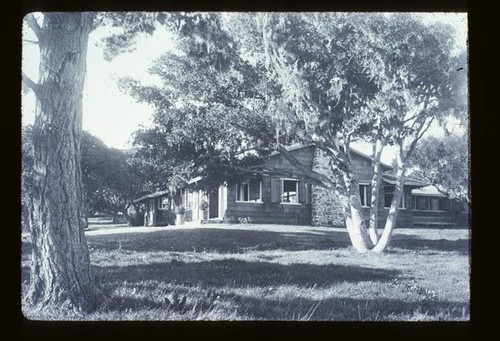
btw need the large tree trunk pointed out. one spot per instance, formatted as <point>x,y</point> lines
<point>375,184</point>
<point>60,268</point>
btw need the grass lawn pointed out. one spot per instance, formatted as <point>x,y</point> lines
<point>273,272</point>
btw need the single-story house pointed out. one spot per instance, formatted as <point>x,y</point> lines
<point>284,199</point>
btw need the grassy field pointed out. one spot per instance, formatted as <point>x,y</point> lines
<point>273,272</point>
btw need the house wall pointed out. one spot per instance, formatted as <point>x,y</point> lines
<point>317,206</point>
<point>268,211</point>
<point>327,210</point>
<point>405,215</point>
<point>193,212</point>
<point>153,216</point>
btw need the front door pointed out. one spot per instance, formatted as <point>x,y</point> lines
<point>213,204</point>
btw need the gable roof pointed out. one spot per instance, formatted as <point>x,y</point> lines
<point>297,146</point>
<point>390,178</point>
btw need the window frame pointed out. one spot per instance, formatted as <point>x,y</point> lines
<point>160,203</point>
<point>366,186</point>
<point>238,191</point>
<point>283,191</point>
<point>428,199</point>
<point>402,203</point>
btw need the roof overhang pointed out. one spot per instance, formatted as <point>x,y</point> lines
<point>430,191</point>
<point>150,196</point>
<point>409,181</point>
<point>298,146</point>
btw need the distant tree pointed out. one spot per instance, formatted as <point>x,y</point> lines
<point>444,163</point>
<point>109,182</point>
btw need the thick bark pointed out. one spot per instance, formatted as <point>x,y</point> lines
<point>375,184</point>
<point>60,269</point>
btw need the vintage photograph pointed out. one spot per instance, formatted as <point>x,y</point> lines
<point>221,166</point>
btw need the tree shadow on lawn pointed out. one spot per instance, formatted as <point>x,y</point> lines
<point>237,240</point>
<point>412,242</point>
<point>221,240</point>
<point>350,309</point>
<point>238,273</point>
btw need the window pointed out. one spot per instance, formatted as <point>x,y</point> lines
<point>388,194</point>
<point>188,199</point>
<point>444,204</point>
<point>365,195</point>
<point>249,191</point>
<point>290,191</point>
<point>421,203</point>
<point>163,203</point>
<point>432,204</point>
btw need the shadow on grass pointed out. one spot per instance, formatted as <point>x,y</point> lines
<point>237,240</point>
<point>237,273</point>
<point>409,242</point>
<point>220,240</point>
<point>349,309</point>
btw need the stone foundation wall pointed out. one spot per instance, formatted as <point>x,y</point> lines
<point>325,207</point>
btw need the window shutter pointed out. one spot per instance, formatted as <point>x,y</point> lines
<point>275,190</point>
<point>308,193</point>
<point>302,191</point>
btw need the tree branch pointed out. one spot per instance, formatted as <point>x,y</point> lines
<point>411,118</point>
<point>31,41</point>
<point>33,24</point>
<point>420,132</point>
<point>31,84</point>
<point>304,170</point>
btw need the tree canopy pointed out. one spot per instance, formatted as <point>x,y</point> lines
<point>210,117</point>
<point>444,163</point>
<point>109,180</point>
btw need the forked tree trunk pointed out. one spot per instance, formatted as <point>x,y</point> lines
<point>375,185</point>
<point>355,223</point>
<point>392,215</point>
<point>60,268</point>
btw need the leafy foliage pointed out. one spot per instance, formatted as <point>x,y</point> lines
<point>209,118</point>
<point>445,163</point>
<point>110,182</point>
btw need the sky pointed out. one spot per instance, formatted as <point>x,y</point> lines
<point>108,113</point>
<point>112,115</point>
